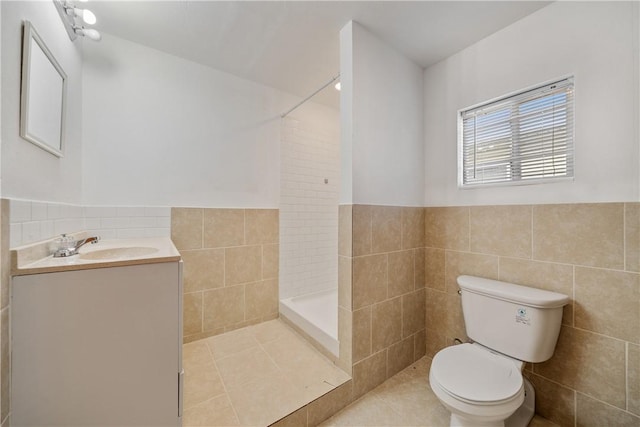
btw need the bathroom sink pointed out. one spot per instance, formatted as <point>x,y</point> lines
<point>118,253</point>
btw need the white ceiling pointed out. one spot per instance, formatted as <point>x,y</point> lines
<point>294,45</point>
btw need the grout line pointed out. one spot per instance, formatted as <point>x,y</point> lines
<point>626,375</point>
<point>224,386</point>
<point>573,296</point>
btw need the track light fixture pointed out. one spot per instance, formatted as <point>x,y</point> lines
<point>68,13</point>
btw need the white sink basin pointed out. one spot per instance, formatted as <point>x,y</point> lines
<point>118,253</point>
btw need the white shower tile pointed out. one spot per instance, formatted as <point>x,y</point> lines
<point>129,211</point>
<point>20,210</point>
<point>100,211</point>
<point>15,234</point>
<point>38,211</point>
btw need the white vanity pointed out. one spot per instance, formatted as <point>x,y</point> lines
<point>97,338</point>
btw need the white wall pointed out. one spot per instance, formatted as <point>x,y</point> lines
<point>597,42</point>
<point>384,128</point>
<point>29,172</point>
<point>163,131</point>
<point>308,206</point>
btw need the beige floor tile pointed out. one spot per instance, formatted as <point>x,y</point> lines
<point>214,412</point>
<point>367,411</point>
<point>245,366</point>
<point>265,400</point>
<point>230,343</point>
<point>202,381</point>
<point>270,331</point>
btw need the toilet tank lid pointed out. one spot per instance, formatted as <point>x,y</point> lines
<point>518,294</point>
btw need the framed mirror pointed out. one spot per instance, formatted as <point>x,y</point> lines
<point>42,102</point>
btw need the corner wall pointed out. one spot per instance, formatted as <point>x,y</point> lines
<point>597,42</point>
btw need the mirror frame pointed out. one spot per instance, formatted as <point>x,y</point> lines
<point>54,144</point>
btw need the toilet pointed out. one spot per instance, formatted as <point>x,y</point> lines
<point>481,383</point>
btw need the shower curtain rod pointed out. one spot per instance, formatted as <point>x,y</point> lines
<point>333,79</point>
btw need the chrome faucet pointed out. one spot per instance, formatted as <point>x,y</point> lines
<point>73,250</point>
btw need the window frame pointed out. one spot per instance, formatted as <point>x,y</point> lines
<point>513,182</point>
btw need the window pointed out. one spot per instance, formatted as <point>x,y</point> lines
<point>518,139</point>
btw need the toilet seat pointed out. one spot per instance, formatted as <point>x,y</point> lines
<point>475,375</point>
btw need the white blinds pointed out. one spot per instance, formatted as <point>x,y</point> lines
<point>525,137</point>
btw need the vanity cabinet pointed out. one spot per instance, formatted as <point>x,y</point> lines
<point>99,346</point>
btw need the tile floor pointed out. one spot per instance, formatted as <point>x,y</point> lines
<point>253,376</point>
<point>403,400</point>
<point>256,375</point>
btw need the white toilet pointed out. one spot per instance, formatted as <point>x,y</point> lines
<point>481,384</point>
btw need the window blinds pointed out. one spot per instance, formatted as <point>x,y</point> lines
<point>521,138</point>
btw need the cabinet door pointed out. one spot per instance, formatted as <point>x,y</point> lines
<point>97,347</point>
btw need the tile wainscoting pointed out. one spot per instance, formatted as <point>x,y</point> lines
<point>590,252</point>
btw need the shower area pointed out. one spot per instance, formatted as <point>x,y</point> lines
<point>309,195</point>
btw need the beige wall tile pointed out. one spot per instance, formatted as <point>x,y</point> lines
<point>5,363</point>
<point>261,298</point>
<point>344,282</point>
<point>444,314</point>
<point>5,255</point>
<point>223,228</point>
<point>223,307</point>
<point>386,323</point>
<point>608,302</point>
<point>270,261</point>
<point>361,230</point>
<point>447,228</point>
<point>418,268</point>
<point>186,228</point>
<point>501,230</point>
<point>582,234</point>
<point>413,312</point>
<point>345,337</point>
<point>192,313</point>
<point>434,268</point>
<point>386,229</point>
<point>632,236</point>
<point>434,342</point>
<point>541,275</point>
<point>203,269</point>
<point>369,280</point>
<point>553,401</point>
<point>361,334</point>
<point>296,419</point>
<point>345,230</point>
<point>329,404</point>
<point>400,355</point>
<point>592,413</point>
<point>261,226</point>
<point>588,363</point>
<point>202,335</point>
<point>412,228</point>
<point>464,263</point>
<point>419,345</point>
<point>369,373</point>
<point>401,273</point>
<point>633,378</point>
<point>243,264</point>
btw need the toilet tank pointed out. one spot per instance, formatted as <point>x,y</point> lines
<point>515,320</point>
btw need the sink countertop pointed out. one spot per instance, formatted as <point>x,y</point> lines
<point>36,258</point>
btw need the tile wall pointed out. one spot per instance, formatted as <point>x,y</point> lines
<point>590,252</point>
<point>230,267</point>
<point>33,221</point>
<point>388,294</point>
<point>308,208</point>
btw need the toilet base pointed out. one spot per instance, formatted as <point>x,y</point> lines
<point>520,418</point>
<point>523,415</point>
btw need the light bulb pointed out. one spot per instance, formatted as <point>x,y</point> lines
<point>337,86</point>
<point>90,33</point>
<point>88,17</point>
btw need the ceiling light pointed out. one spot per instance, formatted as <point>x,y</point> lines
<point>68,13</point>
<point>337,86</point>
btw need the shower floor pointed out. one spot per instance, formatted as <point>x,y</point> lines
<point>253,376</point>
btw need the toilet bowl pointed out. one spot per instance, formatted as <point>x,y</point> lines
<point>479,387</point>
<point>481,384</point>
